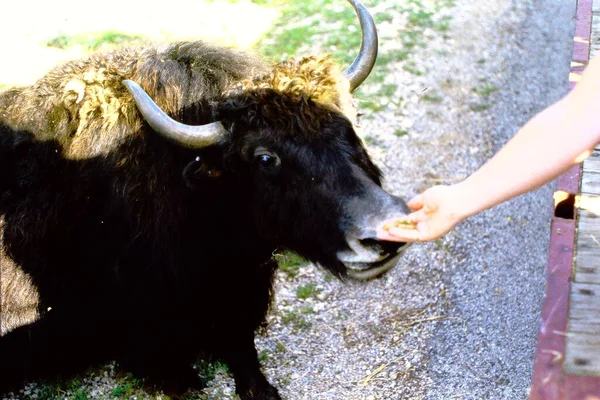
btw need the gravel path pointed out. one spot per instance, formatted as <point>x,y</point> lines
<point>495,274</point>
<point>458,317</point>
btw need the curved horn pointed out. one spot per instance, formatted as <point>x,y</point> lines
<point>193,137</point>
<point>362,66</point>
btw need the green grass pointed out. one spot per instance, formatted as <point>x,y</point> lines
<point>479,107</point>
<point>81,394</point>
<point>321,26</point>
<point>73,389</point>
<point>308,309</point>
<point>485,89</point>
<point>296,320</point>
<point>412,68</point>
<point>412,39</point>
<point>373,106</point>
<point>290,263</point>
<point>306,291</point>
<point>94,41</point>
<point>48,392</point>
<point>431,99</point>
<point>208,370</point>
<point>303,24</point>
<point>263,356</point>
<point>420,18</point>
<point>125,389</point>
<point>388,90</point>
<point>280,347</point>
<point>285,381</point>
<point>443,25</point>
<point>78,389</point>
<point>373,142</point>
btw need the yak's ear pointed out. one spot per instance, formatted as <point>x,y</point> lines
<point>199,171</point>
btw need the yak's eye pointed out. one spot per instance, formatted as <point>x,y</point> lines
<point>267,160</point>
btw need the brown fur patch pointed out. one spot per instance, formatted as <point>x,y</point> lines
<point>87,109</point>
<point>316,78</point>
<point>81,104</point>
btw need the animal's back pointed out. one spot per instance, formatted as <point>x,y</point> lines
<point>85,107</point>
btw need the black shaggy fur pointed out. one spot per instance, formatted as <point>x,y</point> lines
<point>132,241</point>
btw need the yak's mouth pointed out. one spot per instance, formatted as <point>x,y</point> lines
<point>369,258</point>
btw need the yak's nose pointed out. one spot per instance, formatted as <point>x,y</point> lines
<point>400,205</point>
<point>366,256</point>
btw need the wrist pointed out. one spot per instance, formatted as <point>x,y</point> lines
<point>466,201</point>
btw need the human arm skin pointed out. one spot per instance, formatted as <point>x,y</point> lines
<point>557,138</point>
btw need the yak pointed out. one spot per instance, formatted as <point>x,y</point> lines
<point>144,193</point>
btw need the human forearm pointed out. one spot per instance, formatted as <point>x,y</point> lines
<point>548,145</point>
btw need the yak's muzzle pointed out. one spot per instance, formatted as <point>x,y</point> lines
<point>369,258</point>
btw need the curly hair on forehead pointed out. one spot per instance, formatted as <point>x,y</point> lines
<point>316,78</point>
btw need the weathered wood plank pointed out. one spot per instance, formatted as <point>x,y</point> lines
<point>591,165</point>
<point>587,216</point>
<point>582,351</point>
<point>585,339</point>
<point>584,325</point>
<point>587,248</point>
<point>582,341</point>
<point>587,268</point>
<point>587,254</point>
<point>588,277</point>
<point>584,296</point>
<point>590,184</point>
<point>582,355</point>
<point>588,241</point>
<point>585,316</point>
<point>588,204</point>
<point>590,168</point>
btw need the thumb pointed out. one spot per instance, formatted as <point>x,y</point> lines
<point>416,203</point>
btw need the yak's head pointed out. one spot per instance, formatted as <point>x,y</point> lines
<point>291,135</point>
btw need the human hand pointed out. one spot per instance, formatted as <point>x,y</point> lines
<point>435,212</point>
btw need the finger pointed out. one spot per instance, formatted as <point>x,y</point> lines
<point>418,216</point>
<point>383,234</point>
<point>406,220</point>
<point>406,235</point>
<point>416,203</point>
<point>398,235</point>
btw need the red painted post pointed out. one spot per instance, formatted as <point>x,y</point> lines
<point>549,381</point>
